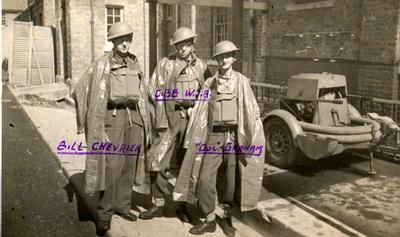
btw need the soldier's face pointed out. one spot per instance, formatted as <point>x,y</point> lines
<point>226,60</point>
<point>185,48</point>
<point>123,43</point>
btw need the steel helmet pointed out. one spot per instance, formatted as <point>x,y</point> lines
<point>182,34</point>
<point>119,29</point>
<point>224,46</point>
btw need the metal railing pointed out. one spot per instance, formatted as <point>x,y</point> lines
<point>270,93</point>
<point>380,106</point>
<point>267,92</point>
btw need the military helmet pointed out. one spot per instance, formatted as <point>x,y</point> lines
<point>182,34</point>
<point>119,29</point>
<point>224,46</point>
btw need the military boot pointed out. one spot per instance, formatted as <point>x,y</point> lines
<point>204,227</point>
<point>227,227</point>
<point>183,214</point>
<point>153,211</point>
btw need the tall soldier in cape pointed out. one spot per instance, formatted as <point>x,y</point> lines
<point>230,117</point>
<point>112,106</point>
<point>174,86</point>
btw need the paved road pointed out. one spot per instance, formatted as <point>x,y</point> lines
<point>339,187</point>
<point>34,201</point>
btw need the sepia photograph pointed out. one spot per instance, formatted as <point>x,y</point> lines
<point>179,118</point>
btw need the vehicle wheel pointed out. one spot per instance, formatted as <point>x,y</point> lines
<point>280,150</point>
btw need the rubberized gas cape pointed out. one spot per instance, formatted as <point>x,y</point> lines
<point>91,96</point>
<point>166,69</point>
<point>250,132</point>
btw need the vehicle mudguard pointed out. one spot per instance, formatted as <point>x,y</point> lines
<point>289,119</point>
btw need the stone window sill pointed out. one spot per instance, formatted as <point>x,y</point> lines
<point>308,6</point>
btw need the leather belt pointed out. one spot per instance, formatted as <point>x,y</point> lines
<point>224,128</point>
<point>179,107</point>
<point>129,105</point>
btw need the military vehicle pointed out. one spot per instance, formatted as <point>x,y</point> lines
<point>315,120</point>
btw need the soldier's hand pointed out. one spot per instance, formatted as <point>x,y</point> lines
<point>190,112</point>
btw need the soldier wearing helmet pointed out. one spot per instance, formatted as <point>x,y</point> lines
<point>175,83</point>
<point>112,109</point>
<point>229,123</point>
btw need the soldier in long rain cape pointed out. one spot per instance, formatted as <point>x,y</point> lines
<point>225,133</point>
<point>112,108</point>
<point>174,86</point>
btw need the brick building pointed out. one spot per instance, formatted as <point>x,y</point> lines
<point>80,29</point>
<point>9,11</point>
<point>357,38</point>
<point>213,24</point>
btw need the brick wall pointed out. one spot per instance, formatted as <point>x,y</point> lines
<point>136,15</point>
<point>398,37</point>
<point>358,39</point>
<point>378,81</point>
<point>78,31</point>
<point>254,39</point>
<point>203,29</point>
<point>257,45</point>
<point>247,49</point>
<point>76,53</point>
<point>167,24</point>
<point>296,38</point>
<point>379,43</point>
<point>49,13</point>
<point>162,30</point>
<point>321,32</point>
<point>185,16</point>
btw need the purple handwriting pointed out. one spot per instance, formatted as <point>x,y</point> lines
<point>75,146</point>
<point>229,148</point>
<point>107,148</point>
<point>96,153</point>
<point>173,94</point>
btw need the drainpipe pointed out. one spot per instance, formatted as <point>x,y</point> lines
<point>193,17</point>
<point>92,30</point>
<point>152,34</point>
<point>237,31</point>
<point>148,73</point>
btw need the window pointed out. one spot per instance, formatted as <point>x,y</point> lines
<point>3,20</point>
<point>220,24</point>
<point>333,93</point>
<point>170,10</point>
<point>114,14</point>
